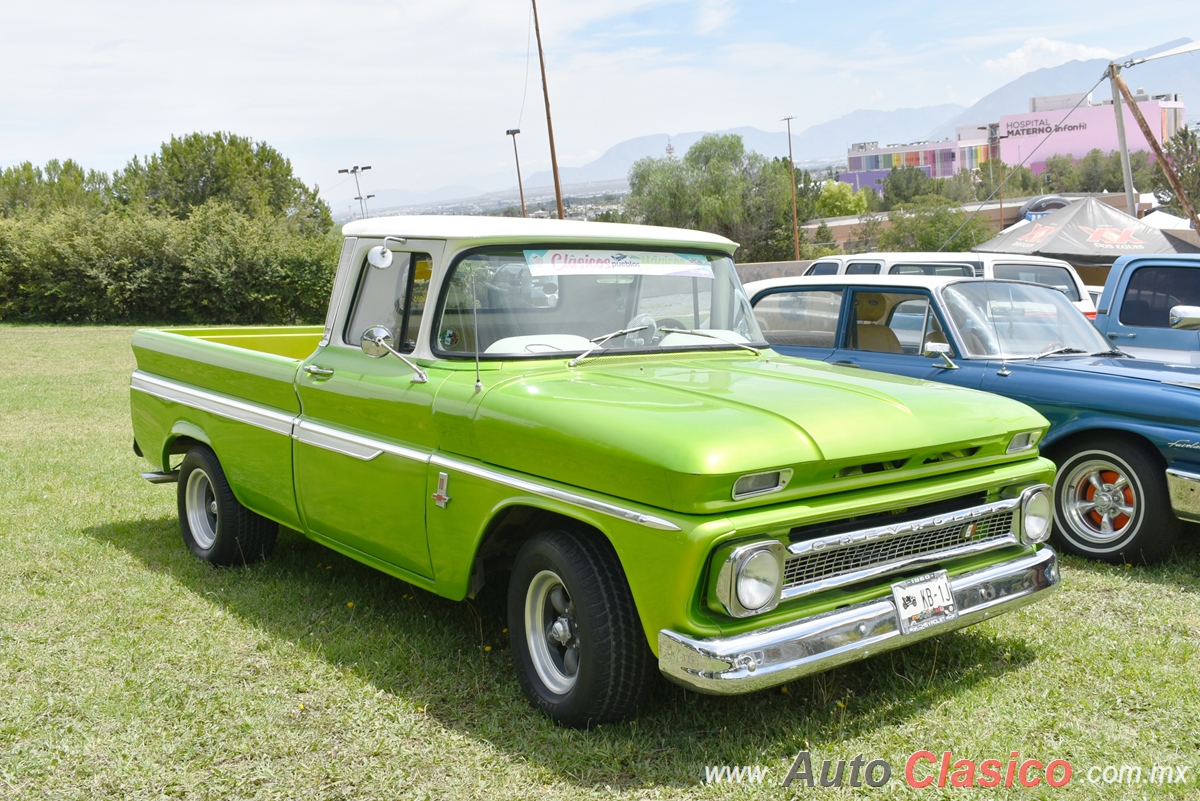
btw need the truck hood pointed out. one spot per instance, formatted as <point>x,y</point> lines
<point>677,434</point>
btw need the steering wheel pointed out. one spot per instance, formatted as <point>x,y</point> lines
<point>638,339</point>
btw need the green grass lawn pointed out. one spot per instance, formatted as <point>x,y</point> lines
<point>131,670</point>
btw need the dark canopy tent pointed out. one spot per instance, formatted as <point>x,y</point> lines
<point>1086,233</point>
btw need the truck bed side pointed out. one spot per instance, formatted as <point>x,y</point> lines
<point>232,389</point>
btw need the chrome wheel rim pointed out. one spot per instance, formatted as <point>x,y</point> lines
<point>201,503</point>
<point>551,632</point>
<point>1100,500</point>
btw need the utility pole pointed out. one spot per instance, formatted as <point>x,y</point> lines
<point>792,166</point>
<point>513,133</point>
<point>549,125</point>
<point>1118,89</point>
<point>355,171</point>
<point>1172,178</point>
<point>1114,75</point>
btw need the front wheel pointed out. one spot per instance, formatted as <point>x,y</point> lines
<point>215,525</point>
<point>576,638</point>
<point>1111,503</point>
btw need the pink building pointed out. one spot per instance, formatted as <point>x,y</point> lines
<point>1017,137</point>
<point>1088,128</point>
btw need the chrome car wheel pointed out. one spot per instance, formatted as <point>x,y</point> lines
<point>201,504</point>
<point>552,632</point>
<point>1111,501</point>
<point>1100,500</point>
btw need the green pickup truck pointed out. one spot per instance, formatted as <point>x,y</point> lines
<point>589,413</point>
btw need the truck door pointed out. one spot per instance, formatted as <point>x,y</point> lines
<point>366,433</point>
<point>1143,300</point>
<point>887,331</point>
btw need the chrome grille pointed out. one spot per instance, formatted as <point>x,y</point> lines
<point>880,553</point>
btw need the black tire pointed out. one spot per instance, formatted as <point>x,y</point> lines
<point>1111,503</point>
<point>572,585</point>
<point>215,526</point>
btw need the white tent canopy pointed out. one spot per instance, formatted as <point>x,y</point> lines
<point>1164,221</point>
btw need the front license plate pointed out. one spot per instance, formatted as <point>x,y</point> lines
<point>923,601</point>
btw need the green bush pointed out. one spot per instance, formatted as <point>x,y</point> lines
<point>123,266</point>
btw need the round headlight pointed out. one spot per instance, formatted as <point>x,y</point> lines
<point>1037,512</point>
<point>758,580</point>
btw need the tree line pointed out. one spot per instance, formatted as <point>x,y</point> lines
<point>213,228</point>
<point>721,187</point>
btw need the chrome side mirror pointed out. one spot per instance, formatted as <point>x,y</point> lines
<point>936,349</point>
<point>376,342</point>
<point>380,257</point>
<point>1186,318</point>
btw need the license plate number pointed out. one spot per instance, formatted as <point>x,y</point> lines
<point>924,601</point>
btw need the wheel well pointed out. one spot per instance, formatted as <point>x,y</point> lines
<point>508,531</point>
<point>1094,436</point>
<point>177,447</point>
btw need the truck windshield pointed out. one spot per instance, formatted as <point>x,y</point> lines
<point>1017,321</point>
<point>530,302</point>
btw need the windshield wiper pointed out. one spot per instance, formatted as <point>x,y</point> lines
<point>698,333</point>
<point>1115,352</point>
<point>1058,351</point>
<point>598,341</point>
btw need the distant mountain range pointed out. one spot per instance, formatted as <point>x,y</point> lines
<point>827,142</point>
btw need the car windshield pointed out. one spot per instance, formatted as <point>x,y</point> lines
<point>532,302</point>
<point>1018,321</point>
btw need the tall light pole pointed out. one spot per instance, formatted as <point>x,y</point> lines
<point>355,171</point>
<point>513,133</point>
<point>549,125</point>
<point>792,165</point>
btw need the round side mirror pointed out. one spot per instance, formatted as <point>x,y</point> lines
<point>379,257</point>
<point>376,341</point>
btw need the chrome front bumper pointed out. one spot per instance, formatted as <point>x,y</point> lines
<point>759,659</point>
<point>1184,489</point>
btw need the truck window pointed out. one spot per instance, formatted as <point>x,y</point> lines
<point>801,317</point>
<point>1152,291</point>
<point>823,268</point>
<point>932,269</point>
<point>862,268</point>
<point>393,297</point>
<point>1049,274</point>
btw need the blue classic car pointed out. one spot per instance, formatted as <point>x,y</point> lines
<point>1124,433</point>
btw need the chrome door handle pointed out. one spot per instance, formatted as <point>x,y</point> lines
<point>314,370</point>
<point>1128,336</point>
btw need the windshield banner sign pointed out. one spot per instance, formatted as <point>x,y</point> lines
<point>611,262</point>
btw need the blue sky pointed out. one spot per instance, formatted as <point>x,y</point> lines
<point>423,91</point>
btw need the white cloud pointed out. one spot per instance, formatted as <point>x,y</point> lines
<point>1037,53</point>
<point>714,14</point>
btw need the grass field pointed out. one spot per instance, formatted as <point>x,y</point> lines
<point>131,670</point>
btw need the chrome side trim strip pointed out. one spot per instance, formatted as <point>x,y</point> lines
<point>367,448</point>
<point>1184,489</point>
<point>774,655</point>
<point>343,442</point>
<point>895,566</point>
<point>650,521</point>
<point>220,405</point>
<point>850,539</point>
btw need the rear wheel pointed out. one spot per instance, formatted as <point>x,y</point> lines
<point>1111,503</point>
<point>215,525</point>
<point>576,638</point>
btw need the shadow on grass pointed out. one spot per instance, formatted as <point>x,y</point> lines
<point>1181,569</point>
<point>451,659</point>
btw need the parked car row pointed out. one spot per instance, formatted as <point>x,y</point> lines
<point>1124,433</point>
